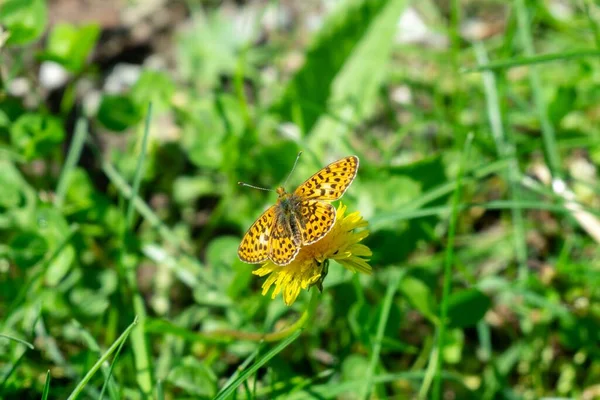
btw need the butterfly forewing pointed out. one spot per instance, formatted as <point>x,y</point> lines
<point>318,217</point>
<point>282,249</point>
<point>254,248</point>
<point>331,182</point>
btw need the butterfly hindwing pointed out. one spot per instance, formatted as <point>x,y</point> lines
<point>282,249</point>
<point>331,182</point>
<point>254,248</point>
<point>318,218</point>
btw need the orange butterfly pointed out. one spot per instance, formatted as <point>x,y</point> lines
<point>299,218</point>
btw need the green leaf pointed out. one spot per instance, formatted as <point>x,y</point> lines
<point>28,248</point>
<point>222,251</point>
<point>153,86</point>
<point>353,367</point>
<point>186,189</point>
<point>11,195</point>
<point>36,135</point>
<point>25,20</point>
<point>90,303</point>
<point>419,296</point>
<point>467,307</point>
<point>562,104</point>
<point>118,112</point>
<point>454,344</point>
<point>210,48</point>
<point>206,130</point>
<point>194,376</point>
<point>17,200</point>
<point>70,46</point>
<point>339,67</point>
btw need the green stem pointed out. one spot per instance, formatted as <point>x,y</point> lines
<point>227,335</point>
<point>436,359</point>
<point>274,336</point>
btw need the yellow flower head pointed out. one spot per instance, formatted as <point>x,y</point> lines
<point>341,244</point>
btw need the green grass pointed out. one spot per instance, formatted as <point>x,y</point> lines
<point>485,280</point>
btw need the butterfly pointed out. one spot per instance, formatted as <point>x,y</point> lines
<point>299,218</point>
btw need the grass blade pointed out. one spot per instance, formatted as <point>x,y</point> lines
<point>46,391</point>
<point>532,60</point>
<point>17,340</point>
<point>138,338</point>
<point>435,360</point>
<point>383,318</point>
<point>115,346</point>
<point>72,158</point>
<point>228,390</point>
<point>548,134</point>
<point>505,149</point>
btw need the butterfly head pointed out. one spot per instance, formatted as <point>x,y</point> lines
<point>281,191</point>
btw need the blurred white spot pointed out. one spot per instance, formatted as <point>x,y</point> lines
<point>401,95</point>
<point>290,131</point>
<point>122,77</point>
<point>4,265</point>
<point>582,170</point>
<point>561,9</point>
<point>91,102</point>
<point>19,87</point>
<point>412,30</point>
<point>53,75</point>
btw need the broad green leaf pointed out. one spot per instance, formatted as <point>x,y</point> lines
<point>89,302</point>
<point>194,376</point>
<point>563,102</point>
<point>355,88</point>
<point>186,189</point>
<point>25,20</point>
<point>205,130</point>
<point>453,346</point>
<point>153,86</point>
<point>354,366</point>
<point>222,251</point>
<point>27,248</point>
<point>118,112</point>
<point>17,200</point>
<point>70,46</point>
<point>344,64</point>
<point>467,307</point>
<point>52,225</point>
<point>36,135</point>
<point>210,47</point>
<point>306,97</point>
<point>420,296</point>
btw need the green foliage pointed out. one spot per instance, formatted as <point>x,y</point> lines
<point>118,112</point>
<point>485,277</point>
<point>25,20</point>
<point>35,135</point>
<point>70,46</point>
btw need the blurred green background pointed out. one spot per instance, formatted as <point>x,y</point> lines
<point>477,127</point>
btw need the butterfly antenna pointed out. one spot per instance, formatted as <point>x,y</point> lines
<point>255,187</point>
<point>293,168</point>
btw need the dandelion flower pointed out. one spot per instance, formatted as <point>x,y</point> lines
<point>309,268</point>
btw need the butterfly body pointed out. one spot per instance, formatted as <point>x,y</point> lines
<point>299,218</point>
<point>287,215</point>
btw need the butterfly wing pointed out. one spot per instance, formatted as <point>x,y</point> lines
<point>318,218</point>
<point>331,182</point>
<point>282,249</point>
<point>254,248</point>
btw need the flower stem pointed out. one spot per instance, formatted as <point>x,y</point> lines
<point>275,336</point>
<point>226,335</point>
